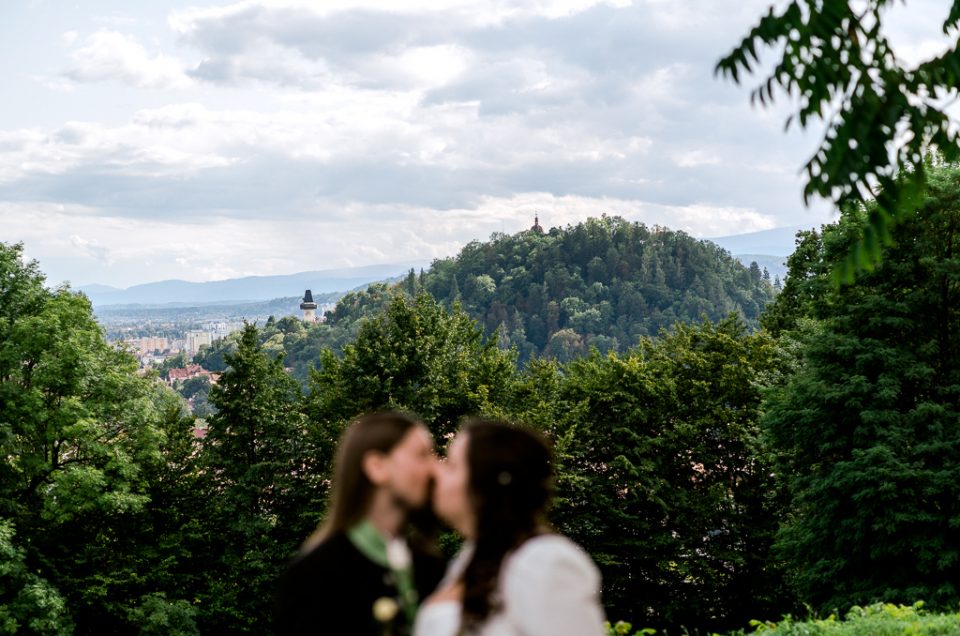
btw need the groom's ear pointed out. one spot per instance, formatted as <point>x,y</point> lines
<point>374,466</point>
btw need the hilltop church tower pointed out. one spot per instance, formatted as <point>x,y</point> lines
<point>309,307</point>
<point>537,228</point>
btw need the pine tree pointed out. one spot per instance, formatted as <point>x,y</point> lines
<point>261,483</point>
<point>411,282</point>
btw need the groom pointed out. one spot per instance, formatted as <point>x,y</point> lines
<point>361,573</point>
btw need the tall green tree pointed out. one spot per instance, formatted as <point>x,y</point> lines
<point>867,432</point>
<point>79,430</point>
<point>664,477</point>
<point>416,355</point>
<point>260,479</point>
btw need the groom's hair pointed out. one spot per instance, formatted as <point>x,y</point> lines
<point>351,489</point>
<point>510,485</point>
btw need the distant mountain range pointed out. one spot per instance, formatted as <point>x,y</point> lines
<point>769,248</point>
<point>248,289</point>
<point>779,241</point>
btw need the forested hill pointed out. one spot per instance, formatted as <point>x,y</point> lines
<point>603,283</point>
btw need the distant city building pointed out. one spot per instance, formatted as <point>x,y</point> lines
<point>196,339</point>
<point>221,329</point>
<point>309,307</point>
<point>150,360</point>
<point>148,345</point>
<point>190,371</point>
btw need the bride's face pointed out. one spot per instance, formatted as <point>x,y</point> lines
<point>451,499</point>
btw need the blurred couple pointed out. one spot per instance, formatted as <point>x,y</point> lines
<point>369,569</point>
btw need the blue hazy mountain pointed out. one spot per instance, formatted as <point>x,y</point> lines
<point>776,242</point>
<point>769,248</point>
<point>247,289</point>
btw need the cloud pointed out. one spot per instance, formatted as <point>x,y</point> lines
<point>694,158</point>
<point>305,135</point>
<point>93,248</point>
<point>138,149</point>
<point>373,44</point>
<point>112,56</point>
<point>82,244</point>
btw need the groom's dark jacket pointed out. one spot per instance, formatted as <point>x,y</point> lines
<point>330,591</point>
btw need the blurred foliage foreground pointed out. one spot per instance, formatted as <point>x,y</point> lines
<point>879,619</point>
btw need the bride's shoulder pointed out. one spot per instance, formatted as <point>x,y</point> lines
<point>548,556</point>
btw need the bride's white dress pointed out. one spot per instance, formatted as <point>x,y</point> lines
<point>548,586</point>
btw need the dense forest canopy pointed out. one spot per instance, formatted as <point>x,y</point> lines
<point>601,284</point>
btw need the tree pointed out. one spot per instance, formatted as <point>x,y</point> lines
<point>178,361</point>
<point>418,356</point>
<point>192,386</point>
<point>881,117</point>
<point>559,281</point>
<point>80,432</point>
<point>804,286</point>
<point>411,283</point>
<point>867,432</point>
<point>156,616</point>
<point>664,478</point>
<point>262,484</point>
<point>28,603</point>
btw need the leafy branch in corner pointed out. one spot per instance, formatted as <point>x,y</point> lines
<point>882,118</point>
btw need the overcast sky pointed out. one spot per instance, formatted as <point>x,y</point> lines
<point>210,140</point>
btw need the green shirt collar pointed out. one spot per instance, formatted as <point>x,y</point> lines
<point>373,545</point>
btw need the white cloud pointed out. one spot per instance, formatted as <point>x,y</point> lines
<point>915,30</point>
<point>697,219</point>
<point>305,135</point>
<point>695,158</point>
<point>480,12</point>
<point>122,252</point>
<point>141,148</point>
<point>92,248</point>
<point>111,56</point>
<point>426,66</point>
<point>703,220</point>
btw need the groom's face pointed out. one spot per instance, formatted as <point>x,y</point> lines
<point>410,466</point>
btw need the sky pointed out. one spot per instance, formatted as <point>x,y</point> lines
<point>212,140</point>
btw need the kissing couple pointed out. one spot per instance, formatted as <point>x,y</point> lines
<point>368,571</point>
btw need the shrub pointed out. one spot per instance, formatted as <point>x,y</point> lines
<point>880,619</point>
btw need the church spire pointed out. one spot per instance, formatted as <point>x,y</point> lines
<point>536,224</point>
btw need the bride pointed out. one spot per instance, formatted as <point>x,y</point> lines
<point>514,575</point>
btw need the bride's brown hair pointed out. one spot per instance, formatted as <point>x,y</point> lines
<point>510,484</point>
